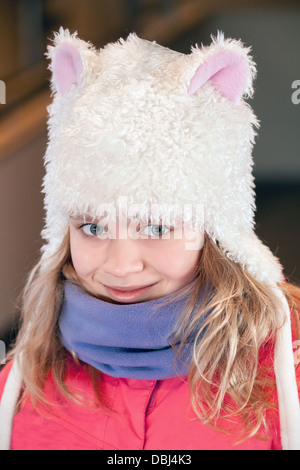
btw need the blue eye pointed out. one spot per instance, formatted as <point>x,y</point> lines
<point>157,230</point>
<point>93,229</point>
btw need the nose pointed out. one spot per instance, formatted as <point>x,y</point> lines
<point>123,258</point>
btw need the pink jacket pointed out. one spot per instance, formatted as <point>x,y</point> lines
<point>142,414</point>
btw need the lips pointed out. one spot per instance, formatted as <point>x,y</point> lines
<point>128,294</point>
<point>128,289</point>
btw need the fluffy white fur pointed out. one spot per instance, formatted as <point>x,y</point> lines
<point>131,129</point>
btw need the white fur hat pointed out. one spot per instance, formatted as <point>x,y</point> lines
<point>162,129</point>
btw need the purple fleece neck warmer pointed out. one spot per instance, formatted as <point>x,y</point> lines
<point>123,340</point>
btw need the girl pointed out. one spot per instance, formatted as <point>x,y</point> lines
<point>155,318</point>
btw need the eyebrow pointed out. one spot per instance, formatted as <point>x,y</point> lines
<point>90,219</point>
<point>80,218</point>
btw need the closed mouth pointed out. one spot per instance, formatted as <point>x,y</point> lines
<point>129,289</point>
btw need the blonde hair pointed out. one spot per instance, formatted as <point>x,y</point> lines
<point>239,316</point>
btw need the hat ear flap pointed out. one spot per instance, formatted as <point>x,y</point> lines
<point>67,68</point>
<point>227,71</point>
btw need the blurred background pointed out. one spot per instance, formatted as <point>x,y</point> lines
<point>272,28</point>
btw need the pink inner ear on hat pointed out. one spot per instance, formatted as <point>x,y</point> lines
<point>227,71</point>
<point>67,67</point>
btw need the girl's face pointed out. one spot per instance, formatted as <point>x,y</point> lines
<point>149,262</point>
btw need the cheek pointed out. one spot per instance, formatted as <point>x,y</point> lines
<point>177,263</point>
<point>83,258</point>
